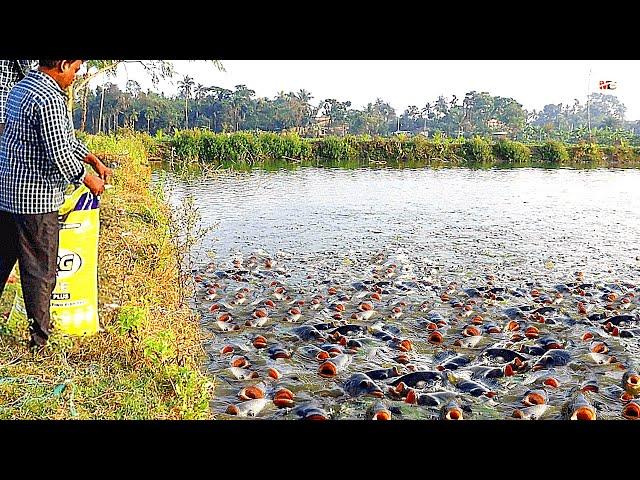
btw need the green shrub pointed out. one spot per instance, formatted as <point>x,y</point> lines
<point>334,148</point>
<point>186,144</point>
<point>192,390</point>
<point>130,318</point>
<point>477,149</point>
<point>159,347</point>
<point>621,153</point>
<point>586,152</point>
<point>553,152</point>
<point>510,151</point>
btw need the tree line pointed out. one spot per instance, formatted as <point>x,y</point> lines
<point>106,108</point>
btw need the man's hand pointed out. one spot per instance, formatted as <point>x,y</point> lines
<point>94,183</point>
<point>100,168</point>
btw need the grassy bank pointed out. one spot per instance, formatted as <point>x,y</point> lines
<point>146,364</point>
<point>244,149</point>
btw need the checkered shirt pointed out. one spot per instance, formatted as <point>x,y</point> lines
<point>11,71</point>
<point>39,153</point>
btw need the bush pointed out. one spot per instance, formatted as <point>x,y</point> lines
<point>554,152</point>
<point>586,152</point>
<point>510,151</point>
<point>159,348</point>
<point>622,153</point>
<point>477,149</point>
<point>131,318</point>
<point>186,144</point>
<point>334,148</point>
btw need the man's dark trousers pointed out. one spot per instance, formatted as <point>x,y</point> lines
<point>32,240</point>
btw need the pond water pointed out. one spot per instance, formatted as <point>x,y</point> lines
<point>521,228</point>
<point>464,220</point>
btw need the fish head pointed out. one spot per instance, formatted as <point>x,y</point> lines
<point>535,397</point>
<point>631,382</point>
<point>368,387</point>
<point>631,411</point>
<point>232,410</point>
<point>328,369</point>
<point>382,415</point>
<point>452,411</point>
<point>584,412</point>
<point>542,363</point>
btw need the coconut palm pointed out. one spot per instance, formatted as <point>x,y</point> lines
<point>185,87</point>
<point>200,92</point>
<point>304,97</point>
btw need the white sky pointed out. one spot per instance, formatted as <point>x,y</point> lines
<point>533,83</point>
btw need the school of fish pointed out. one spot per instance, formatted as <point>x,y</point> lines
<point>385,338</point>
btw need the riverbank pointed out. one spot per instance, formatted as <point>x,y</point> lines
<point>147,363</point>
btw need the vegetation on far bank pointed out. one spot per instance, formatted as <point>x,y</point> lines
<point>147,362</point>
<point>249,149</point>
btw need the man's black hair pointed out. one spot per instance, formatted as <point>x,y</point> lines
<point>51,63</point>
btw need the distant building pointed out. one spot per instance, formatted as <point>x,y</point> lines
<point>499,130</point>
<point>321,126</point>
<point>500,135</point>
<point>322,121</point>
<point>495,124</point>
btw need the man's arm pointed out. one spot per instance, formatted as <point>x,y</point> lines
<point>61,149</point>
<point>82,153</point>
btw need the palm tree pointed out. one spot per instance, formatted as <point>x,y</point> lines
<point>200,92</point>
<point>185,86</point>
<point>240,102</point>
<point>133,118</point>
<point>427,114</point>
<point>305,97</point>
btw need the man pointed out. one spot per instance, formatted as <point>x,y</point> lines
<point>39,157</point>
<point>11,71</point>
